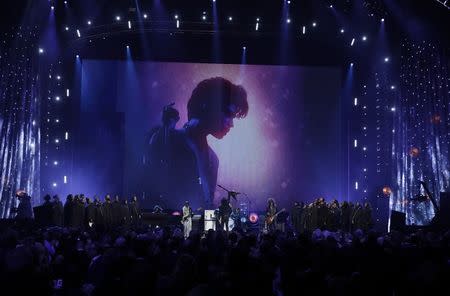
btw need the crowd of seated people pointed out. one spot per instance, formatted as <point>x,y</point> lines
<point>141,260</point>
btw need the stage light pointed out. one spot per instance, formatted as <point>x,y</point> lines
<point>382,20</point>
<point>41,50</point>
<point>145,15</point>
<point>364,38</point>
<point>351,64</point>
<point>67,92</point>
<point>58,77</point>
<point>118,18</point>
<point>178,24</point>
<point>129,24</point>
<point>204,17</point>
<point>355,143</point>
<point>304,30</point>
<point>65,2</point>
<point>331,5</point>
<point>67,28</point>
<point>314,24</point>
<point>393,109</point>
<point>289,2</point>
<point>386,59</point>
<point>128,47</point>
<point>54,184</point>
<point>176,16</point>
<point>57,141</point>
<point>288,21</point>
<point>55,163</point>
<point>342,31</point>
<point>52,7</point>
<point>78,33</point>
<point>77,56</point>
<point>89,23</point>
<point>355,102</point>
<point>253,217</point>
<point>364,148</point>
<point>65,179</point>
<point>57,120</point>
<point>353,42</point>
<point>356,185</point>
<point>257,19</point>
<point>257,27</point>
<point>244,48</point>
<point>66,136</point>
<point>57,98</point>
<point>230,18</point>
<point>392,87</point>
<point>34,122</point>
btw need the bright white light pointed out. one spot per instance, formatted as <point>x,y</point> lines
<point>176,16</point>
<point>289,2</point>
<point>204,17</point>
<point>314,24</point>
<point>257,27</point>
<point>355,102</point>
<point>77,56</point>
<point>78,33</point>
<point>244,48</point>
<point>392,86</point>
<point>52,7</point>
<point>54,184</point>
<point>257,19</point>
<point>342,31</point>
<point>55,162</point>
<point>364,38</point>
<point>356,185</point>
<point>34,122</point>
<point>57,98</point>
<point>128,47</point>
<point>129,24</point>
<point>41,50</point>
<point>355,143</point>
<point>57,141</point>
<point>393,109</point>
<point>58,77</point>
<point>145,15</point>
<point>65,2</point>
<point>364,148</point>
<point>67,92</point>
<point>288,21</point>
<point>353,42</point>
<point>386,59</point>
<point>66,136</point>
<point>67,28</point>
<point>230,18</point>
<point>331,5</point>
<point>65,179</point>
<point>382,20</point>
<point>178,24</point>
<point>57,120</point>
<point>118,18</point>
<point>351,64</point>
<point>304,30</point>
<point>89,23</point>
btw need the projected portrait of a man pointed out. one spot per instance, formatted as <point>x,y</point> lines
<point>187,164</point>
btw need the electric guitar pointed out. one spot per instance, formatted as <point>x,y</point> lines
<point>270,219</point>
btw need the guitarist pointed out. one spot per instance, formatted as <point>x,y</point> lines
<point>187,219</point>
<point>271,211</point>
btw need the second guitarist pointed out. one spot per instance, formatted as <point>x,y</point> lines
<point>271,211</point>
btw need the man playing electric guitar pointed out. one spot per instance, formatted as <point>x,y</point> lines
<point>271,214</point>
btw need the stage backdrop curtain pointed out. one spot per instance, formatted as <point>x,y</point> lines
<point>19,117</point>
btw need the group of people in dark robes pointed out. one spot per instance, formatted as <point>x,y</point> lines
<point>333,216</point>
<point>82,212</point>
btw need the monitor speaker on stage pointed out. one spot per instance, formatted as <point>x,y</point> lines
<point>444,206</point>
<point>398,221</point>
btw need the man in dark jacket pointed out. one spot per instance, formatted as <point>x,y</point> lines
<point>24,210</point>
<point>58,211</point>
<point>89,214</point>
